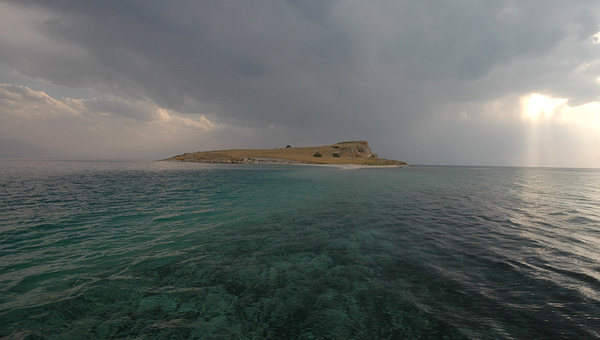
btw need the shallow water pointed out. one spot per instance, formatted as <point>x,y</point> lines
<point>145,250</point>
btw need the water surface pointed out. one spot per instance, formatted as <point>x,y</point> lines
<point>145,250</point>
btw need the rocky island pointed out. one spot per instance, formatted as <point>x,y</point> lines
<point>351,152</point>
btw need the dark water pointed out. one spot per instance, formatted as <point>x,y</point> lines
<point>153,250</point>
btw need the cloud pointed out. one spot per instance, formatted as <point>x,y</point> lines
<point>21,101</point>
<point>386,71</point>
<point>530,130</point>
<point>98,126</point>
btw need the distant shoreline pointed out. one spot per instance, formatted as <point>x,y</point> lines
<point>355,166</point>
<point>341,166</point>
<point>344,153</point>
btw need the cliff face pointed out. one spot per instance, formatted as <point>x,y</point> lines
<point>360,148</point>
<point>351,152</point>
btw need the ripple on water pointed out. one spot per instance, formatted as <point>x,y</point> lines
<point>154,249</point>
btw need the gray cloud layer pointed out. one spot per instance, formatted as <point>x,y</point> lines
<point>325,70</point>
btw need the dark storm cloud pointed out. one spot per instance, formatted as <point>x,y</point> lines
<point>253,61</point>
<point>381,68</point>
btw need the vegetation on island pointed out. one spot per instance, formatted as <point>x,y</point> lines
<point>351,152</point>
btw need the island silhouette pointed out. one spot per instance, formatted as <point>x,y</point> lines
<point>350,152</point>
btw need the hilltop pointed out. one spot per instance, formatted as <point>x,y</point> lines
<point>351,152</point>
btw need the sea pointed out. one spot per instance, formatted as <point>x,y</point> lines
<point>163,250</point>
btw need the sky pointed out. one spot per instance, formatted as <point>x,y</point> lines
<point>466,82</point>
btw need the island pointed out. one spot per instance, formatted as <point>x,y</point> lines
<point>351,152</point>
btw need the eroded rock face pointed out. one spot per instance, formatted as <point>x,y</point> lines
<point>359,148</point>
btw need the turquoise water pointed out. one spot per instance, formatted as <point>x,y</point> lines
<point>156,250</point>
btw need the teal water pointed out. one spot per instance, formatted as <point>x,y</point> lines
<point>156,250</point>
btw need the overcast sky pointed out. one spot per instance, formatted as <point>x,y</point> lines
<point>427,82</point>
